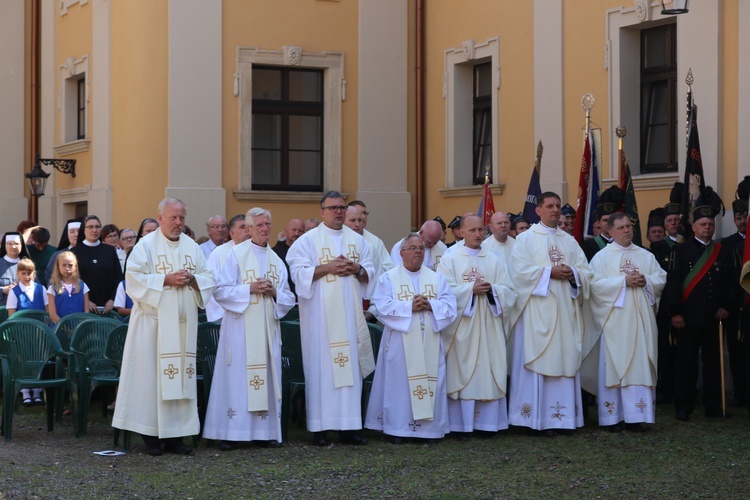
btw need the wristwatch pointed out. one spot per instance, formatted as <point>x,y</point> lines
<point>361,271</point>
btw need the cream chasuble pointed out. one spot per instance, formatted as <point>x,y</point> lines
<point>553,328</point>
<point>476,342</point>
<point>502,250</point>
<point>625,316</point>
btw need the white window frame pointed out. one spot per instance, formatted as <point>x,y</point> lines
<point>334,84</point>
<point>458,82</point>
<point>67,103</point>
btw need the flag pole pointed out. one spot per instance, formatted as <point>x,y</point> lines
<point>689,111</point>
<point>721,366</point>
<point>621,132</point>
<point>538,162</point>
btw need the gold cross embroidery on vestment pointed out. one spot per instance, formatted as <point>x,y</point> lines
<point>171,371</point>
<point>473,275</point>
<point>327,258</point>
<point>556,255</point>
<point>420,392</point>
<point>257,382</point>
<point>341,360</point>
<point>405,293</point>
<point>188,264</point>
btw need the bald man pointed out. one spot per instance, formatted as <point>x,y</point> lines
<point>431,232</point>
<point>500,244</point>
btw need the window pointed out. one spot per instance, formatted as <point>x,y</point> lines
<point>287,137</point>
<point>482,131</point>
<point>81,128</point>
<point>658,70</point>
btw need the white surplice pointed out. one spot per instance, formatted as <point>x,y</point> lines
<point>141,406</point>
<point>227,415</point>
<point>390,408</point>
<point>625,362</point>
<point>328,407</point>
<point>476,358</point>
<point>214,312</point>
<point>381,263</point>
<point>548,333</point>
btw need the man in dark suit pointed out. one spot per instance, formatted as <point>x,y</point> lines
<point>732,248</point>
<point>610,201</point>
<point>697,298</point>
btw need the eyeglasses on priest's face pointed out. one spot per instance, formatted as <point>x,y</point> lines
<point>335,208</point>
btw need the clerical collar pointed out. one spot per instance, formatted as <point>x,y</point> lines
<point>742,235</point>
<point>412,273</point>
<point>608,240</point>
<point>546,228</point>
<point>331,231</point>
<point>705,244</point>
<point>673,238</point>
<point>12,260</point>
<point>259,246</point>
<point>89,244</point>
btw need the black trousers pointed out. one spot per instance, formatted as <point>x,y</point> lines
<point>666,355</point>
<point>736,350</point>
<point>689,342</point>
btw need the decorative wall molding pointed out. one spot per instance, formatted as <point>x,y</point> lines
<point>286,196</point>
<point>73,147</point>
<point>65,4</point>
<point>292,55</point>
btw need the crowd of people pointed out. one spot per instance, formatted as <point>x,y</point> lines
<point>510,324</point>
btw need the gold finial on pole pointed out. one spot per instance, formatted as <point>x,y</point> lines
<point>538,162</point>
<point>587,103</point>
<point>621,132</point>
<point>689,81</point>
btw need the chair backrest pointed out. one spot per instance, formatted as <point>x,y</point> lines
<point>208,344</point>
<point>3,314</point>
<point>115,346</point>
<point>291,352</point>
<point>111,314</point>
<point>67,324</point>
<point>376,335</point>
<point>202,318</point>
<point>27,345</point>
<point>292,315</point>
<point>36,314</point>
<point>90,340</point>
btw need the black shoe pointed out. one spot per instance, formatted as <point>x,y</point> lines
<point>227,446</point>
<point>682,414</point>
<point>28,402</point>
<point>618,427</point>
<point>153,445</point>
<point>38,401</point>
<point>717,413</point>
<point>486,434</point>
<point>396,439</point>
<point>547,433</point>
<point>320,438</point>
<point>271,443</point>
<point>430,441</point>
<point>352,437</point>
<point>176,446</point>
<point>636,427</point>
<point>461,436</point>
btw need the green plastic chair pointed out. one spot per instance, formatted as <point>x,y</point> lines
<point>27,346</point>
<point>36,314</point>
<point>113,351</point>
<point>66,326</point>
<point>94,370</point>
<point>208,344</point>
<point>3,314</point>
<point>202,318</point>
<point>292,372</point>
<point>292,315</point>
<point>376,335</point>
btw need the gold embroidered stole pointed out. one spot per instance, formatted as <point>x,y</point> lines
<point>334,287</point>
<point>175,362</point>
<point>421,342</point>
<point>260,327</point>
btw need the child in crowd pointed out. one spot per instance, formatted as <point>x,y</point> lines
<point>27,294</point>
<point>123,302</point>
<point>71,295</point>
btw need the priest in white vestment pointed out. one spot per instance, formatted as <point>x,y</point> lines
<point>330,267</point>
<point>552,278</point>
<point>168,279</point>
<point>477,368</point>
<point>500,243</point>
<point>431,232</point>
<point>245,401</point>
<point>624,297</point>
<point>408,398</point>
<point>237,234</point>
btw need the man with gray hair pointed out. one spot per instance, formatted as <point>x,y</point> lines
<point>331,267</point>
<point>168,279</point>
<point>216,225</point>
<point>430,232</point>
<point>245,402</point>
<point>237,234</point>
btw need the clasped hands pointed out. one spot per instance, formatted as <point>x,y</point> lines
<point>635,280</point>
<point>420,303</point>
<point>263,286</point>
<point>341,266</point>
<point>179,279</point>
<point>562,272</point>
<point>481,287</point>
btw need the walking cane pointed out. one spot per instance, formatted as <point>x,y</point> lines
<point>721,365</point>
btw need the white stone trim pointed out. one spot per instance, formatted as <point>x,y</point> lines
<point>72,147</point>
<point>65,4</point>
<point>334,93</point>
<point>471,192</point>
<point>457,66</point>
<point>70,72</point>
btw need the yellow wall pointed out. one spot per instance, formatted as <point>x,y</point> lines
<point>271,24</point>
<point>139,100</point>
<point>73,34</point>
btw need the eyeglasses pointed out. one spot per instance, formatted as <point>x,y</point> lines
<point>415,249</point>
<point>128,238</point>
<point>92,227</point>
<point>112,236</point>
<point>338,208</point>
<point>217,226</point>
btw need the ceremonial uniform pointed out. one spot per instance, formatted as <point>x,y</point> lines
<point>732,248</point>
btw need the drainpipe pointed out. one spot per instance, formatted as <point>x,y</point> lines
<point>34,98</point>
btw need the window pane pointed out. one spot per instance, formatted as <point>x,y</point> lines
<point>304,168</point>
<point>482,79</point>
<point>306,86</point>
<point>267,84</point>
<point>657,143</point>
<point>266,131</point>
<point>305,132</point>
<point>266,167</point>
